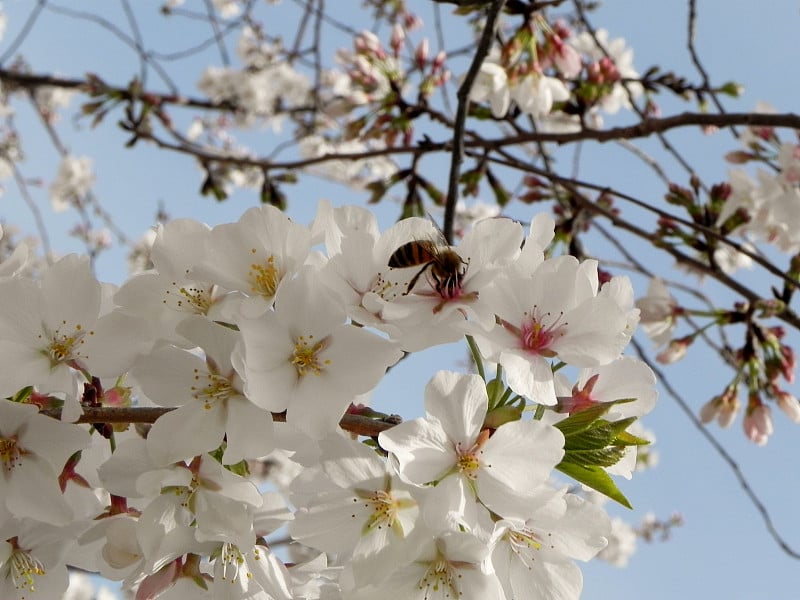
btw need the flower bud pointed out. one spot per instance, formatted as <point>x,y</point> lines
<point>674,352</point>
<point>789,405</point>
<point>398,37</point>
<point>758,421</point>
<point>421,54</point>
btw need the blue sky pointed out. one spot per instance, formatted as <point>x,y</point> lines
<point>723,551</point>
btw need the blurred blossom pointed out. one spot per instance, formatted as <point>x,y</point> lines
<point>139,257</point>
<point>658,310</point>
<point>73,180</point>
<point>621,544</point>
<point>468,215</point>
<point>600,48</point>
<point>50,99</point>
<point>227,9</point>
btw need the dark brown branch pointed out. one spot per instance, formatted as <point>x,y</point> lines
<point>457,149</point>
<point>643,129</point>
<point>146,414</point>
<point>640,130</point>
<point>16,79</point>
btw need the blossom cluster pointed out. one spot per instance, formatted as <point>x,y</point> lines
<point>532,74</point>
<point>771,203</point>
<point>244,321</point>
<point>759,211</point>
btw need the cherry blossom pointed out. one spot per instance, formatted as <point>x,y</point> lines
<point>255,254</point>
<point>303,358</point>
<point>450,448</point>
<point>216,407</point>
<point>492,84</point>
<point>452,565</point>
<point>535,556</point>
<point>353,505</point>
<point>47,334</point>
<point>74,179</point>
<point>33,450</point>
<point>658,310</point>
<point>555,313</point>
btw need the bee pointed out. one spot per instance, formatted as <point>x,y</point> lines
<point>445,267</point>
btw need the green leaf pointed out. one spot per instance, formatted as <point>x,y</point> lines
<point>239,468</point>
<point>582,420</point>
<point>628,439</point>
<point>606,456</point>
<point>22,395</point>
<point>433,192</point>
<point>732,89</point>
<point>595,478</point>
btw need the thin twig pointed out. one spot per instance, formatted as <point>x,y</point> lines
<point>664,141</point>
<point>691,26</point>
<point>220,42</point>
<point>37,214</point>
<point>732,464</point>
<point>457,151</point>
<point>23,33</point>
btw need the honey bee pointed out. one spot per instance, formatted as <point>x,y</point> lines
<point>445,267</point>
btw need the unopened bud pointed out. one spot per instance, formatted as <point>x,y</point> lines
<point>421,55</point>
<point>789,405</point>
<point>398,37</point>
<point>732,89</point>
<point>739,157</point>
<point>675,351</point>
<point>438,60</point>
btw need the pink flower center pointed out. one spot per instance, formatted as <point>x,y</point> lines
<point>536,335</point>
<point>581,398</point>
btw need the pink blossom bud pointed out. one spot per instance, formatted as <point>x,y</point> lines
<point>722,408</point>
<point>758,424</point>
<point>675,351</point>
<point>412,21</point>
<point>398,37</point>
<point>652,110</point>
<point>765,133</point>
<point>438,60</point>
<point>789,405</point>
<point>368,43</point>
<point>566,58</point>
<point>788,364</point>
<point>609,72</point>
<point>421,54</point>
<point>728,411</point>
<point>709,411</point>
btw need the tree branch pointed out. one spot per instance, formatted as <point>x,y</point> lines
<point>457,148</point>
<point>356,424</point>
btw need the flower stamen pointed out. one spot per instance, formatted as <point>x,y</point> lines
<point>306,356</point>
<point>264,278</point>
<point>24,568</point>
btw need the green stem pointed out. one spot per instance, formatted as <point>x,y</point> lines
<point>476,356</point>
